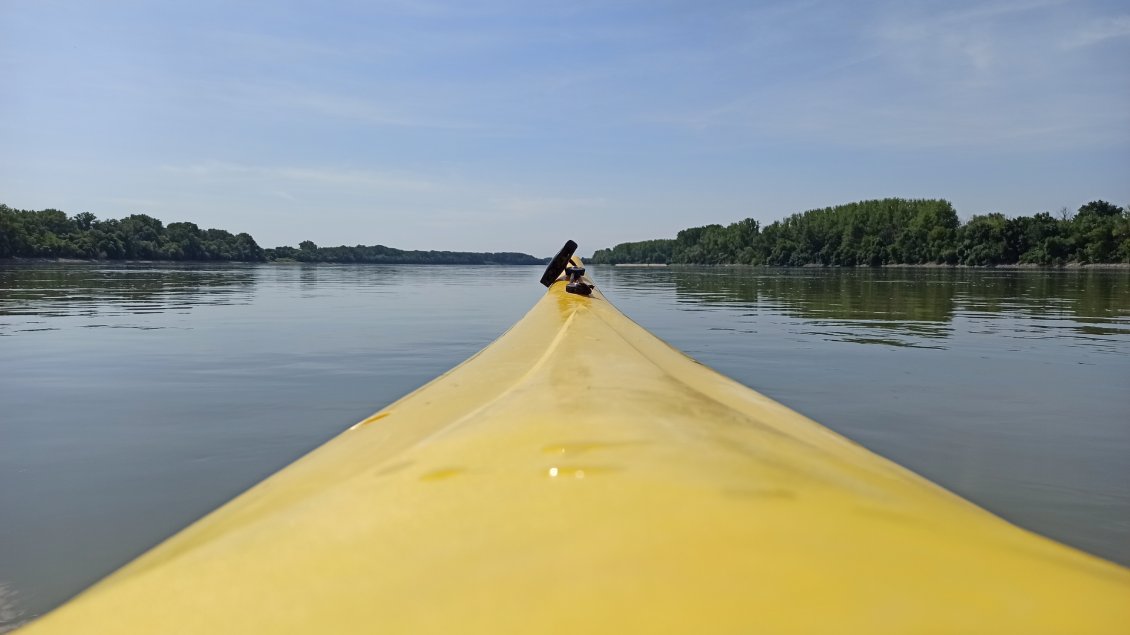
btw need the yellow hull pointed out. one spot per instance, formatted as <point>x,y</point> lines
<point>579,475</point>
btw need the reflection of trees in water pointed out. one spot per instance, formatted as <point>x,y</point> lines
<point>844,295</point>
<point>1095,297</point>
<point>60,290</point>
<point>917,302</point>
<point>888,304</point>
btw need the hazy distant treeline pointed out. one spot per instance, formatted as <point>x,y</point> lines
<point>307,251</point>
<point>895,231</point>
<point>51,233</point>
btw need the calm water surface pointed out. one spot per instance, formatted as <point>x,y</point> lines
<point>134,399</point>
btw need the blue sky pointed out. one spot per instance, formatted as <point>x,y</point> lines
<point>502,125</point>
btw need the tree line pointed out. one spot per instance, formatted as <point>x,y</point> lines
<point>895,231</point>
<point>307,251</point>
<point>51,233</point>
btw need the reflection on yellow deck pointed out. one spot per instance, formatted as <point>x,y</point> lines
<point>579,475</point>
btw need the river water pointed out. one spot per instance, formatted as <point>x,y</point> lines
<point>134,399</point>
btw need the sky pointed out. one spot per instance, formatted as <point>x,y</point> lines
<point>502,125</point>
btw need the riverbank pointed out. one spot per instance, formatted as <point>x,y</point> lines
<point>1114,266</point>
<point>282,261</point>
<point>1017,266</point>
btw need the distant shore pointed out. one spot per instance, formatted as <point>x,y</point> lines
<point>896,231</point>
<point>50,235</point>
<point>1071,266</point>
<point>1026,267</point>
<point>1032,266</point>
<point>17,260</point>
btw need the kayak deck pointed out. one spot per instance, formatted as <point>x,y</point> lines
<point>579,474</point>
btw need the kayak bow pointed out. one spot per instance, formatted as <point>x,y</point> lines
<point>579,474</point>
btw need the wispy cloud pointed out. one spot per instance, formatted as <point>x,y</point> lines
<point>278,48</point>
<point>279,176</point>
<point>365,111</point>
<point>542,206</point>
<point>306,101</point>
<point>982,11</point>
<point>1099,31</point>
<point>914,76</point>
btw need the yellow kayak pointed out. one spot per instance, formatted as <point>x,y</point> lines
<point>579,475</point>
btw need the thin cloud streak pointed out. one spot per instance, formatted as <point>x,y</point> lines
<point>544,206</point>
<point>991,10</point>
<point>1099,31</point>
<point>947,79</point>
<point>301,102</point>
<point>366,179</point>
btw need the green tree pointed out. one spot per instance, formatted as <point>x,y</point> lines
<point>901,231</point>
<point>50,233</point>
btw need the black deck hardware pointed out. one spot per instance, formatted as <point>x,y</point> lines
<point>558,264</point>
<point>576,285</point>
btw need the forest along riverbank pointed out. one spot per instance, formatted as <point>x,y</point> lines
<point>51,233</point>
<point>867,233</point>
<point>895,231</point>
